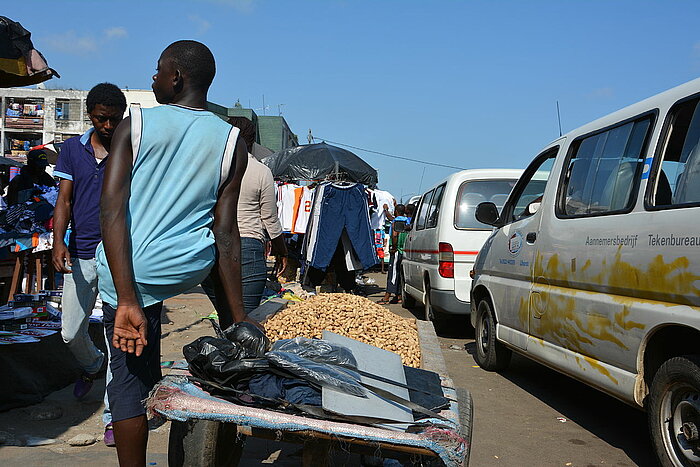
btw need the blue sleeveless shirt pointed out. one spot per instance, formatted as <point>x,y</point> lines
<point>181,158</point>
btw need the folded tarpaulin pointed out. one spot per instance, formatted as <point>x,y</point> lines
<point>20,63</point>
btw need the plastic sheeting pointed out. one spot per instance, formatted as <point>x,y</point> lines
<point>318,162</point>
<point>20,63</point>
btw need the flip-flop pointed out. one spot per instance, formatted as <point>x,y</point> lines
<point>383,302</point>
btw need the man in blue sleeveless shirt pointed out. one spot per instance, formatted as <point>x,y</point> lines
<point>168,216</point>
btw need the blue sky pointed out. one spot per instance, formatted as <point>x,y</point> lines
<point>472,84</point>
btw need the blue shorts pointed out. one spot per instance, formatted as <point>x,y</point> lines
<point>133,377</point>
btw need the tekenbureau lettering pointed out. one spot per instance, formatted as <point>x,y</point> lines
<point>617,240</point>
<point>674,240</point>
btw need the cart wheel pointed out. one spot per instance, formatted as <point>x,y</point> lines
<point>466,419</point>
<point>204,443</point>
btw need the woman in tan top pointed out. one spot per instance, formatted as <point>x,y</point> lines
<point>257,214</point>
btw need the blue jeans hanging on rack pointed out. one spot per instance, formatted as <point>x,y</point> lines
<point>340,207</point>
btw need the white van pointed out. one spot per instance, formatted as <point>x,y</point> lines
<point>594,268</point>
<point>445,238</point>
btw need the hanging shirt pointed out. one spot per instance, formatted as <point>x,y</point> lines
<point>303,196</point>
<point>379,217</point>
<point>286,205</point>
<point>181,159</point>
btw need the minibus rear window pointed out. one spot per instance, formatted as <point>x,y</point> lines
<point>473,192</point>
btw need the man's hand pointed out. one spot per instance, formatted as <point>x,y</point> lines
<point>129,329</point>
<point>61,257</point>
<point>280,265</point>
<point>250,320</point>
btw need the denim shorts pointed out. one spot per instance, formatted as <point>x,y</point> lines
<point>133,377</point>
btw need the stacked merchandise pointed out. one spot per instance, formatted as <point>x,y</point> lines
<point>29,317</point>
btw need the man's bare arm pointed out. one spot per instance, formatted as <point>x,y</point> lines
<point>129,321</point>
<point>61,215</point>
<point>228,240</point>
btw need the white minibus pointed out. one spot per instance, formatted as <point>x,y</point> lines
<point>445,238</point>
<point>594,266</point>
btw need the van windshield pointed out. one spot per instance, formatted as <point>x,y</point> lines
<point>471,193</point>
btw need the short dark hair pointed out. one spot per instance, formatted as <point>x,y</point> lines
<point>106,94</point>
<point>400,209</point>
<point>247,130</point>
<point>194,60</point>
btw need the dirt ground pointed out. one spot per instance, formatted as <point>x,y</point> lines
<point>527,415</point>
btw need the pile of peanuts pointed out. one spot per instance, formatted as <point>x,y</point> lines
<point>350,316</point>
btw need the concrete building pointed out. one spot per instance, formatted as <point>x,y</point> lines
<point>33,116</point>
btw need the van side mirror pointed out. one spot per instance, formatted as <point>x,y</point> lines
<point>487,213</point>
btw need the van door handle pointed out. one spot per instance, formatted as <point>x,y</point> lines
<point>531,237</point>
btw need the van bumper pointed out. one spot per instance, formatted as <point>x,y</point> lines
<point>446,302</point>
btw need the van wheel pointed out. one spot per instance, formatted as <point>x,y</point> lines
<point>407,301</point>
<point>490,354</point>
<point>674,411</point>
<point>429,312</point>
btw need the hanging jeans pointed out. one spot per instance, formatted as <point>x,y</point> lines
<point>253,277</point>
<point>337,208</point>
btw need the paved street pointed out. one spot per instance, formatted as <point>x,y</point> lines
<point>526,416</point>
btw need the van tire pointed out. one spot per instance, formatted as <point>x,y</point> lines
<point>430,314</point>
<point>674,402</point>
<point>407,301</point>
<point>490,354</point>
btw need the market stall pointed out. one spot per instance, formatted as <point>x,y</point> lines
<point>345,390</point>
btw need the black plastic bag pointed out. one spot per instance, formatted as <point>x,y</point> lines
<point>220,360</point>
<point>254,343</point>
<point>317,350</point>
<point>321,374</point>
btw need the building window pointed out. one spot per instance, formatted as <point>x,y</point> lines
<point>62,109</point>
<point>24,113</point>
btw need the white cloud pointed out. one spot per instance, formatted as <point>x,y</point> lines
<point>115,32</point>
<point>71,43</point>
<point>200,23</point>
<point>602,93</point>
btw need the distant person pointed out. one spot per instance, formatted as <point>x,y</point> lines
<point>81,168</point>
<point>257,215</point>
<point>168,217</point>
<point>397,237</point>
<point>410,212</point>
<point>30,177</point>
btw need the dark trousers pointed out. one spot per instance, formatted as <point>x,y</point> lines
<point>394,277</point>
<point>133,377</point>
<point>253,277</point>
<point>343,277</point>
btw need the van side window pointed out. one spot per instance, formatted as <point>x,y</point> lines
<point>603,170</point>
<point>678,178</point>
<point>423,210</point>
<point>434,209</point>
<point>530,192</point>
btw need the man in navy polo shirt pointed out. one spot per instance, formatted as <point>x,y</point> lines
<point>81,167</point>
